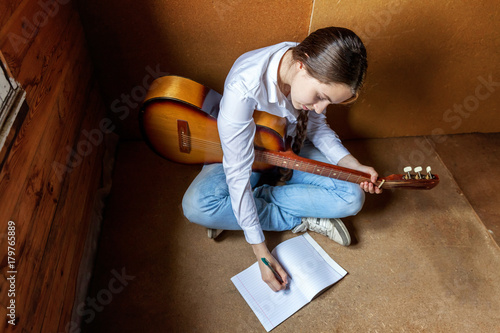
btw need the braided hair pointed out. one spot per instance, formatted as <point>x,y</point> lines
<point>300,136</point>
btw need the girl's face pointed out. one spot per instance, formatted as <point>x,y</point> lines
<point>307,93</point>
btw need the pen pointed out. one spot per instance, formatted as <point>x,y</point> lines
<point>264,260</point>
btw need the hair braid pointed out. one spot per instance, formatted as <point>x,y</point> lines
<point>300,136</point>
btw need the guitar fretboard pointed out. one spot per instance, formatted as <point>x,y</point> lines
<point>291,161</point>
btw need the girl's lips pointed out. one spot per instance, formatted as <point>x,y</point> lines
<point>305,108</point>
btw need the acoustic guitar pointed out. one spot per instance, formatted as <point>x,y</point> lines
<point>178,121</point>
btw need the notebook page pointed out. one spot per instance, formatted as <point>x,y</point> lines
<point>309,269</point>
<point>270,307</point>
<point>308,264</point>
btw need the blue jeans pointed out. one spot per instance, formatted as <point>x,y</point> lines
<point>206,201</point>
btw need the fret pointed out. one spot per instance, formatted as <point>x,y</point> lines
<point>307,167</point>
<point>333,174</point>
<point>288,161</point>
<point>311,168</point>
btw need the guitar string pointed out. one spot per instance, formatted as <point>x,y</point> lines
<point>216,147</point>
<point>205,145</point>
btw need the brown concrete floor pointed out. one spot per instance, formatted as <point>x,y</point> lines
<point>421,261</point>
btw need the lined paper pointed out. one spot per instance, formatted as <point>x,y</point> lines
<point>310,270</point>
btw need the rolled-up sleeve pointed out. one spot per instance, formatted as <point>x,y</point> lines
<point>324,138</point>
<point>237,131</point>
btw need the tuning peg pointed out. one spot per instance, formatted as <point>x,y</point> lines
<point>407,170</point>
<point>429,174</point>
<point>417,171</point>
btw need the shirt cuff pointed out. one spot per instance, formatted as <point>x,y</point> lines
<point>254,234</point>
<point>337,153</point>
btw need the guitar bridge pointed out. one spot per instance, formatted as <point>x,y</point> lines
<point>184,136</point>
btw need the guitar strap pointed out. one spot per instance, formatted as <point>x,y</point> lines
<point>211,103</point>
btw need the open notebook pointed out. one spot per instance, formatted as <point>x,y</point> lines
<point>310,271</point>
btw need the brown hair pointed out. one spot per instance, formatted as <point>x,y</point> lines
<point>333,55</point>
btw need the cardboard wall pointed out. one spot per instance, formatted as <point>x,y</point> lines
<point>433,67</point>
<point>132,41</point>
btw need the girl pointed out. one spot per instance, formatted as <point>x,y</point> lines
<point>298,82</point>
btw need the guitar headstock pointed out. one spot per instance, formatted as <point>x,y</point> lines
<point>416,180</point>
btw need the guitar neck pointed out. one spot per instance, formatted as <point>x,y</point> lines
<point>289,160</point>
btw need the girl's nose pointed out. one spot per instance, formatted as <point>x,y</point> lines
<point>320,106</point>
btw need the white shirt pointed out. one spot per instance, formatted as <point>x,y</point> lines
<point>252,84</point>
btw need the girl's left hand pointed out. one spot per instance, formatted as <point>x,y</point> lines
<point>351,162</point>
<point>369,187</point>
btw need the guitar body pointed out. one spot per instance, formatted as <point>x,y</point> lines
<point>177,128</point>
<point>178,121</point>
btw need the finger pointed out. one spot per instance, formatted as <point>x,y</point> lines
<point>283,275</point>
<point>272,280</point>
<point>275,284</point>
<point>272,283</point>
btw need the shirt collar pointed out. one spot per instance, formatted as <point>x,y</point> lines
<point>274,94</point>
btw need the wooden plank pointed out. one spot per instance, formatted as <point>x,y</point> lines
<point>41,85</point>
<point>42,140</point>
<point>16,127</point>
<point>72,288</point>
<point>58,260</point>
<point>34,143</point>
<point>8,15</point>
<point>30,26</point>
<point>75,222</point>
<point>35,251</point>
<point>41,197</point>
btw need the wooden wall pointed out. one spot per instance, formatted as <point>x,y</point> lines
<point>427,59</point>
<point>44,188</point>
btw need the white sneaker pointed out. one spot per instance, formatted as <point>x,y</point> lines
<point>213,233</point>
<point>332,228</point>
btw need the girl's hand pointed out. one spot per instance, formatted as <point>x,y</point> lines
<point>351,162</point>
<point>261,251</point>
<point>370,187</point>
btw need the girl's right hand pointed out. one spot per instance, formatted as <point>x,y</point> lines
<point>261,251</point>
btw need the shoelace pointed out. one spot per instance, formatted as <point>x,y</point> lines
<point>320,226</point>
